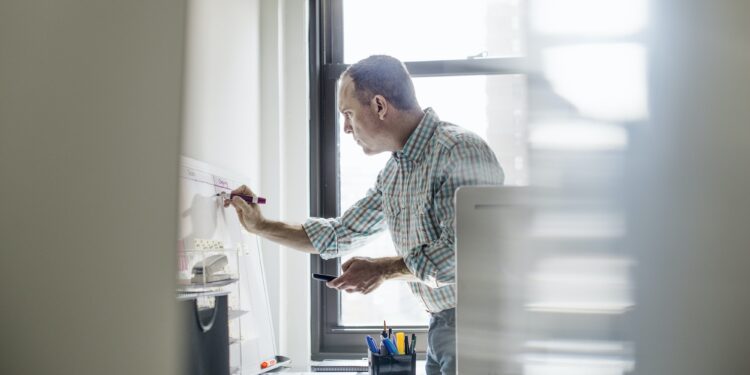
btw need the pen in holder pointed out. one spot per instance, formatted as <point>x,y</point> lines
<point>392,364</point>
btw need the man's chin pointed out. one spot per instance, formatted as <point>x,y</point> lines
<point>369,151</point>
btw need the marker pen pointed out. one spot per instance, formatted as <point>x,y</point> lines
<point>246,198</point>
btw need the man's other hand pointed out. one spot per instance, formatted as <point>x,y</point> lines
<point>360,274</point>
<point>248,213</point>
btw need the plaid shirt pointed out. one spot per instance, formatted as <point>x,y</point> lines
<point>413,198</point>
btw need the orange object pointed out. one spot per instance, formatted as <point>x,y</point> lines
<point>264,364</point>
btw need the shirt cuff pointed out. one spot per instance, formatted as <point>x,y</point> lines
<point>322,236</point>
<point>328,237</point>
<point>421,266</point>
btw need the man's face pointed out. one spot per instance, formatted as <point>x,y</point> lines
<point>360,120</point>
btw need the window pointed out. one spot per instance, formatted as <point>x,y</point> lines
<point>464,58</point>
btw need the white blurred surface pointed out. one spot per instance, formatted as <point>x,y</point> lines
<point>640,111</point>
<point>90,115</point>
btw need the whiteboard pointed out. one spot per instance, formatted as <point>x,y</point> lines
<point>207,226</point>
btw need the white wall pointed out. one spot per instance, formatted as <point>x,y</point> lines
<point>285,154</point>
<point>222,86</point>
<point>90,110</point>
<point>246,110</point>
<point>295,291</point>
<point>270,50</point>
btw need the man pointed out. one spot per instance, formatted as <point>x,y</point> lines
<point>413,198</point>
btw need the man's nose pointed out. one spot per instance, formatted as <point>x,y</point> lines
<point>347,127</point>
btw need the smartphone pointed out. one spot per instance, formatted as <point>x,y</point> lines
<point>323,277</point>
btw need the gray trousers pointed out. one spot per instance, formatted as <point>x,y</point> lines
<point>441,344</point>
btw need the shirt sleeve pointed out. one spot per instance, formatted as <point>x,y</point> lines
<point>338,236</point>
<point>471,163</point>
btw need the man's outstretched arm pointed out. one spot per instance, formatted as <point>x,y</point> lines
<point>289,235</point>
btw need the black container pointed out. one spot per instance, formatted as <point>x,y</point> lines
<point>402,364</point>
<point>206,348</point>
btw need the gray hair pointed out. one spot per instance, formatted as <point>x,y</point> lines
<point>386,76</point>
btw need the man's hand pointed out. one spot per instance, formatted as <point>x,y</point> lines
<point>361,275</point>
<point>364,275</point>
<point>249,213</point>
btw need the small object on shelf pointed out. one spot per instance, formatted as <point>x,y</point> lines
<point>273,363</point>
<point>211,270</point>
<point>266,365</point>
<point>276,362</point>
<point>204,244</point>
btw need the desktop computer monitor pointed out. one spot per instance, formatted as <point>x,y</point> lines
<point>484,313</point>
<point>543,287</point>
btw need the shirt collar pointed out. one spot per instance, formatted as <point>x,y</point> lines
<point>415,144</point>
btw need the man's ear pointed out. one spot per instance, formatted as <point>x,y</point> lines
<point>380,106</point>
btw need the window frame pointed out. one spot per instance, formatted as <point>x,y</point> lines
<point>329,339</point>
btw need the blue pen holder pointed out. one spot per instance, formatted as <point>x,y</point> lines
<point>400,364</point>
